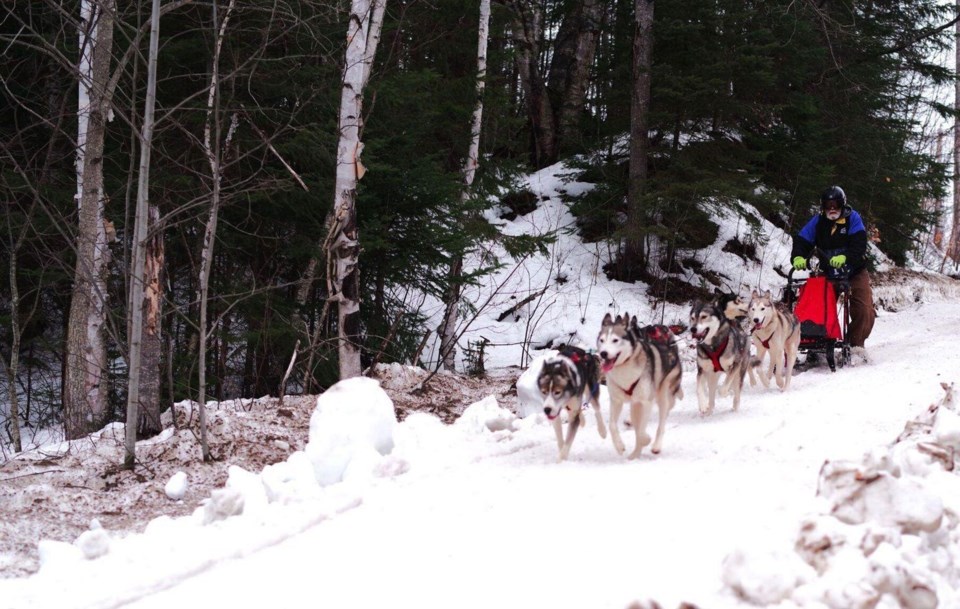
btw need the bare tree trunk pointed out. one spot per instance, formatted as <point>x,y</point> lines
<point>527,32</point>
<point>14,365</point>
<point>574,50</point>
<point>634,257</point>
<point>953,247</point>
<point>140,225</point>
<point>85,383</point>
<point>211,144</point>
<point>447,329</point>
<point>148,421</point>
<point>342,245</point>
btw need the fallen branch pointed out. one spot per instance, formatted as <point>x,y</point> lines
<point>517,306</point>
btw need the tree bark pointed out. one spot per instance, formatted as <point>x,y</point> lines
<point>527,30</point>
<point>447,329</point>
<point>573,54</point>
<point>14,366</point>
<point>140,226</point>
<point>342,245</point>
<point>85,358</point>
<point>634,258</point>
<point>148,419</point>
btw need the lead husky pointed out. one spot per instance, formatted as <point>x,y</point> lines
<point>776,330</point>
<point>570,380</point>
<point>641,366</point>
<point>722,347</point>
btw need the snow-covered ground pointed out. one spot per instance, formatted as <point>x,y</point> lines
<point>464,516</point>
<point>372,512</point>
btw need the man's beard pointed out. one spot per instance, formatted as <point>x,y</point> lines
<point>833,215</point>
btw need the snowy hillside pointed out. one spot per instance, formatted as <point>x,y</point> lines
<point>839,493</point>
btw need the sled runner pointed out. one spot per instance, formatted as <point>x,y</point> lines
<point>821,303</point>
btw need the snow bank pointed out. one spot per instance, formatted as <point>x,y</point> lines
<point>888,534</point>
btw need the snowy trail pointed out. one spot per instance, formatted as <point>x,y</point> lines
<point>598,531</point>
<point>498,523</point>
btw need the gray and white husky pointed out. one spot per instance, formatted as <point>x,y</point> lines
<point>570,380</point>
<point>777,331</point>
<point>642,367</point>
<point>723,348</point>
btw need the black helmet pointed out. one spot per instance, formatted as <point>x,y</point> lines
<point>834,193</point>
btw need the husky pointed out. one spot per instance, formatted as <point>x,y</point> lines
<point>570,380</point>
<point>736,309</point>
<point>732,305</point>
<point>642,367</point>
<point>776,330</point>
<point>722,348</point>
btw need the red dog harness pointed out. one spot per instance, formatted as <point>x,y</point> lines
<point>629,391</point>
<point>715,355</point>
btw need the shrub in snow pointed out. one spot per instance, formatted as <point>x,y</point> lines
<point>351,418</point>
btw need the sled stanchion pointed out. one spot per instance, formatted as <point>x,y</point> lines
<point>820,302</point>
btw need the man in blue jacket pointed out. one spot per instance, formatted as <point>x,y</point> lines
<point>838,231</point>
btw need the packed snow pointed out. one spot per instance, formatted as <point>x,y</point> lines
<point>840,492</point>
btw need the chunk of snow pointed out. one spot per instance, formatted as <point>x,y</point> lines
<point>176,486</point>
<point>352,416</point>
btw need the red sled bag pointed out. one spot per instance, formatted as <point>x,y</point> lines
<point>817,309</point>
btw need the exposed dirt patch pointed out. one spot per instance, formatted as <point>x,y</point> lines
<point>56,493</point>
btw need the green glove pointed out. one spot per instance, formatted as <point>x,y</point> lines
<point>838,261</point>
<point>799,263</point>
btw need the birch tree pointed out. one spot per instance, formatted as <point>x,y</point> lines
<point>447,330</point>
<point>85,383</point>
<point>342,245</point>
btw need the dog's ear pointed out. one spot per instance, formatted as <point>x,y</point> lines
<point>754,294</point>
<point>607,320</point>
<point>766,294</point>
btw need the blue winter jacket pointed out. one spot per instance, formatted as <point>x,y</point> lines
<point>847,235</point>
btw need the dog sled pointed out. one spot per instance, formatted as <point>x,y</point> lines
<point>821,302</point>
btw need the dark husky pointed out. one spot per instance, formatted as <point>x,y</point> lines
<point>722,348</point>
<point>642,367</point>
<point>570,380</point>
